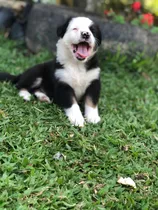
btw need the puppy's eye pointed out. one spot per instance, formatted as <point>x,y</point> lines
<point>75,29</point>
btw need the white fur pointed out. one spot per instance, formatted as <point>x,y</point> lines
<point>77,77</point>
<point>81,24</point>
<point>37,82</point>
<point>42,97</point>
<point>75,116</point>
<point>91,114</point>
<point>74,72</point>
<point>25,95</point>
<point>64,45</point>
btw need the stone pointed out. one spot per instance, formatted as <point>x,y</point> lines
<point>44,19</point>
<point>18,28</point>
<point>17,31</point>
<point>7,18</point>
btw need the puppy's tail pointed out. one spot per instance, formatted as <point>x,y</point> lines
<point>6,77</point>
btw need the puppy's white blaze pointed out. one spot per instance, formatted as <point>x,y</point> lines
<point>64,45</point>
<point>78,78</point>
<point>42,97</point>
<point>25,95</point>
<point>37,82</point>
<point>92,114</point>
<point>74,115</point>
<point>83,22</point>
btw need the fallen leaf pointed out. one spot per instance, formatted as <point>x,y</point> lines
<point>126,181</point>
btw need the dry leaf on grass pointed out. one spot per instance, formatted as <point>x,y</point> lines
<point>126,181</point>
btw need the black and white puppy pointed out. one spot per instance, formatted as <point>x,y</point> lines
<point>74,74</point>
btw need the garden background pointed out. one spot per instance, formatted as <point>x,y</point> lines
<point>45,163</point>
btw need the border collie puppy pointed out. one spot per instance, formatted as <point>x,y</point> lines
<point>73,76</point>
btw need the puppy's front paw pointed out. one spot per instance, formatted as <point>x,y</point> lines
<point>77,120</point>
<point>91,114</point>
<point>42,97</point>
<point>75,116</point>
<point>93,119</point>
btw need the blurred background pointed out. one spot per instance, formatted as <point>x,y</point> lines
<point>99,5</point>
<point>126,9</point>
<point>15,16</point>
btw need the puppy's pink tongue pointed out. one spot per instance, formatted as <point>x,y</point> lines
<point>82,50</point>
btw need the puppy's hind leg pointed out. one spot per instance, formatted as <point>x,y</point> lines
<point>42,96</point>
<point>25,94</point>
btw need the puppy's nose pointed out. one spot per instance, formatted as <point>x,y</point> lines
<point>85,34</point>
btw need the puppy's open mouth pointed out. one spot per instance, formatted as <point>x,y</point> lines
<point>81,50</point>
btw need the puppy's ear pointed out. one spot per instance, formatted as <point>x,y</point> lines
<point>96,33</point>
<point>61,30</point>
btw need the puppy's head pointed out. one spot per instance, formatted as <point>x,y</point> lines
<point>81,36</point>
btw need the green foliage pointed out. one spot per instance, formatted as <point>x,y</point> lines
<point>119,19</point>
<point>123,144</point>
<point>123,6</point>
<point>154,29</point>
<point>135,22</point>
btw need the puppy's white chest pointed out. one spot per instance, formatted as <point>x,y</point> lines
<point>78,78</point>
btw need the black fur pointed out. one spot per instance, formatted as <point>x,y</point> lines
<point>93,91</point>
<point>96,33</point>
<point>92,63</point>
<point>44,71</point>
<point>61,30</point>
<point>61,93</point>
<point>64,95</point>
<point>4,76</point>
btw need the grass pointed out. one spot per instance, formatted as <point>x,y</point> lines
<point>125,143</point>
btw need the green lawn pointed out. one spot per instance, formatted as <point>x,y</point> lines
<point>125,143</point>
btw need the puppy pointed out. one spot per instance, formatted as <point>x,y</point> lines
<point>74,74</point>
